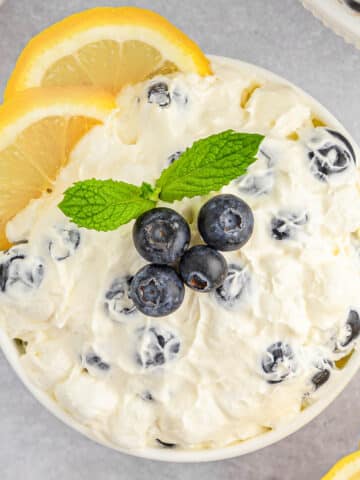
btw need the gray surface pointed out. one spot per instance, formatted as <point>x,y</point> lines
<point>279,35</point>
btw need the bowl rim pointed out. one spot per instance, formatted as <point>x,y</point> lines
<point>215,454</point>
<point>337,17</point>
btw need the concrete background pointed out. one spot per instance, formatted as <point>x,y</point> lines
<point>279,35</point>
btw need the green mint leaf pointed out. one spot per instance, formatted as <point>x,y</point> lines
<point>208,165</point>
<point>103,205</point>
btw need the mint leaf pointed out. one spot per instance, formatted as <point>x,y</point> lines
<point>208,165</point>
<point>103,205</point>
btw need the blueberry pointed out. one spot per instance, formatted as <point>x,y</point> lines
<point>330,153</point>
<point>159,93</point>
<point>157,346</point>
<point>226,222</point>
<point>64,243</point>
<point>180,97</point>
<point>202,268</point>
<point>280,229</point>
<point>95,361</point>
<point>117,299</point>
<point>354,4</point>
<point>261,182</point>
<point>321,377</point>
<point>161,235</point>
<point>165,444</point>
<point>256,185</point>
<point>173,157</point>
<point>147,396</point>
<point>157,290</point>
<point>352,329</point>
<point>236,282</point>
<point>285,225</point>
<point>20,273</point>
<point>278,362</point>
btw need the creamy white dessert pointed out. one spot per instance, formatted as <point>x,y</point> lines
<point>228,365</point>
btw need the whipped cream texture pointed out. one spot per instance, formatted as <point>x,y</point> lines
<point>228,365</point>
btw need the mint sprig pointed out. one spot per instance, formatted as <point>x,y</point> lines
<point>207,166</point>
<point>104,205</point>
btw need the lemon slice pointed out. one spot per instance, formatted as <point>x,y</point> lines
<point>38,129</point>
<point>346,469</point>
<point>106,47</point>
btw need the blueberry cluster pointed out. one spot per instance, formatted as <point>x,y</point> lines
<point>162,237</point>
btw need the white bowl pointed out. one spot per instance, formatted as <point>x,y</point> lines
<point>241,448</point>
<point>337,16</point>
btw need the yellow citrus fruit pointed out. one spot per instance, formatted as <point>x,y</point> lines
<point>106,47</point>
<point>38,129</point>
<point>346,469</point>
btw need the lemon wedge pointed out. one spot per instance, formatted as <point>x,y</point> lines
<point>108,48</point>
<point>346,469</point>
<point>38,129</point>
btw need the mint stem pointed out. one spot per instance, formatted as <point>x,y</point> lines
<point>148,192</point>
